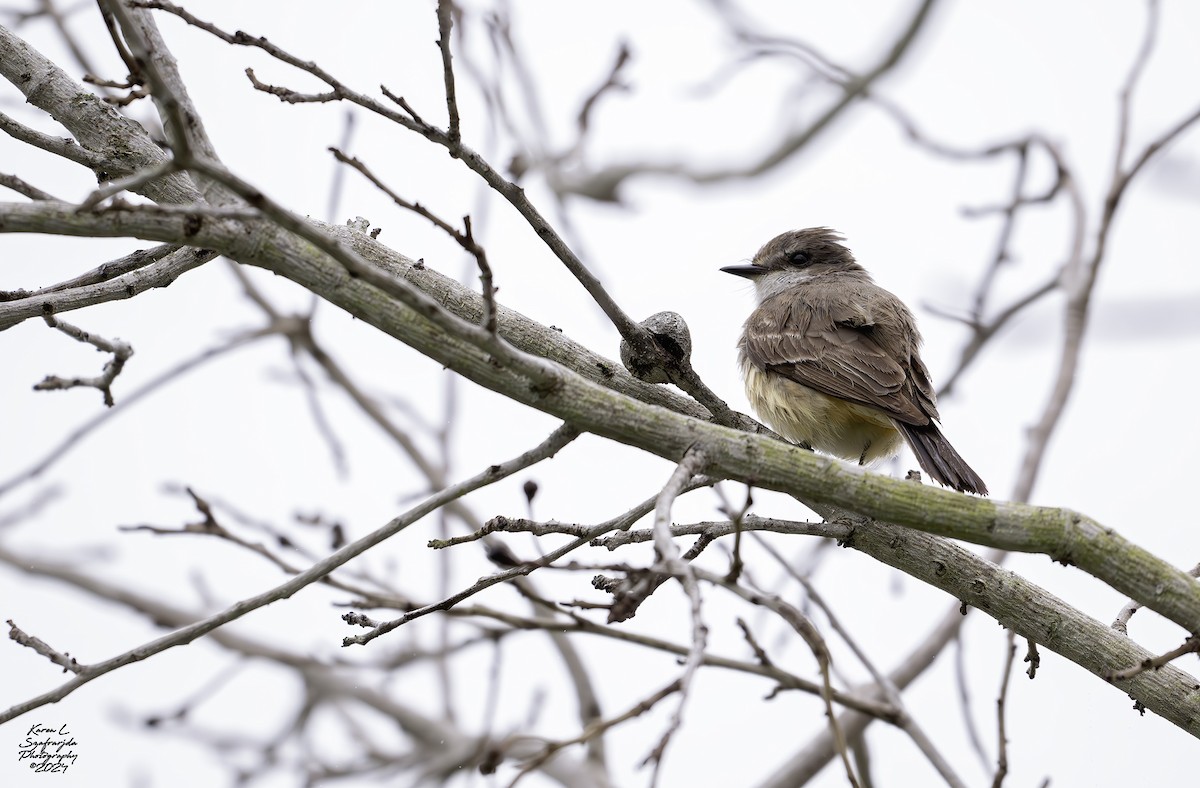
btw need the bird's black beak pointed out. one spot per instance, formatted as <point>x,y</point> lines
<point>748,271</point>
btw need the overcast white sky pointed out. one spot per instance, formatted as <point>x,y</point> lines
<point>239,430</point>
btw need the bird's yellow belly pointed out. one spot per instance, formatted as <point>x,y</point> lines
<point>827,424</point>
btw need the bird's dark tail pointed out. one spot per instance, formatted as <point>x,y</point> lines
<point>940,460</point>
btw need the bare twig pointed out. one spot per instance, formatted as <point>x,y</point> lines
<point>1001,735</point>
<point>1032,657</point>
<point>133,261</point>
<point>39,501</point>
<point>69,664</point>
<point>465,239</point>
<point>854,87</point>
<point>785,679</point>
<point>1009,211</point>
<point>59,146</point>
<point>718,529</point>
<point>451,601</point>
<point>1189,646</point>
<point>1125,100</point>
<point>121,351</point>
<point>736,515</point>
<point>338,181</point>
<point>983,331</point>
<point>1121,623</point>
<point>805,629</point>
<point>208,525</point>
<point>130,276</point>
<point>759,653</point>
<point>320,420</point>
<point>445,15</point>
<point>610,84</point>
<point>21,186</point>
<point>621,523</point>
<point>110,23</point>
<point>134,182</point>
<point>692,464</point>
<point>964,702</point>
<point>289,96</point>
<point>72,440</point>
<point>905,721</point>
<point>598,728</point>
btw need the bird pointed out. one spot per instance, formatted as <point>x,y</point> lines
<point>831,360</point>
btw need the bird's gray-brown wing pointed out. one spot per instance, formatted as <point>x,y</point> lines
<point>834,344</point>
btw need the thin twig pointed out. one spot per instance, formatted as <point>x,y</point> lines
<point>69,664</point>
<point>1001,735</point>
<point>65,147</point>
<point>1121,623</point>
<point>1189,646</point>
<point>31,508</point>
<point>487,284</point>
<point>133,261</point>
<point>465,239</point>
<point>1125,99</point>
<point>289,96</point>
<point>449,602</point>
<point>610,84</point>
<point>812,637</point>
<point>854,88</point>
<point>672,562</point>
<point>209,526</point>
<point>783,678</point>
<point>131,183</point>
<point>621,523</point>
<point>336,186</point>
<point>890,691</point>
<point>21,186</point>
<point>121,351</point>
<point>597,728</point>
<point>982,332</point>
<point>71,441</point>
<point>735,518</point>
<point>143,65</point>
<point>964,703</point>
<point>1032,657</point>
<point>445,14</point>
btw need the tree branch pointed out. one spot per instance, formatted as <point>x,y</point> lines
<point>1065,536</point>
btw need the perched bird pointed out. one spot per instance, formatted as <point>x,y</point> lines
<point>832,361</point>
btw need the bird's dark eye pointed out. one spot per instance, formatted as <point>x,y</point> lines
<point>799,257</point>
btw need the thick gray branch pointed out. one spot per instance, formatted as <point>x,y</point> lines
<point>121,143</point>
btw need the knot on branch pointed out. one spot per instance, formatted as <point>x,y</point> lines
<point>629,592</point>
<point>673,339</point>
